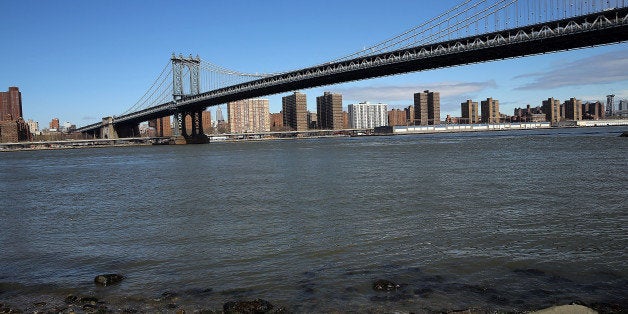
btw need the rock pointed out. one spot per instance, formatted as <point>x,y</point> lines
<point>70,299</point>
<point>248,307</point>
<point>108,279</point>
<point>89,300</point>
<point>567,309</point>
<point>385,285</point>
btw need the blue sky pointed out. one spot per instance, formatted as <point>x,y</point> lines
<point>82,60</point>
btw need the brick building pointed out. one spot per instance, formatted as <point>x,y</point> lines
<point>249,116</point>
<point>427,108</point>
<point>490,111</point>
<point>276,122</point>
<point>329,111</point>
<point>573,109</point>
<point>397,117</point>
<point>469,112</point>
<point>294,108</point>
<point>13,128</point>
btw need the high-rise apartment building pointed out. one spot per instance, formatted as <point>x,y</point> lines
<point>490,110</point>
<point>469,112</point>
<point>294,108</point>
<point>329,111</point>
<point>11,104</point>
<point>573,109</point>
<point>427,108</point>
<point>249,116</point>
<point>367,116</point>
<point>551,109</point>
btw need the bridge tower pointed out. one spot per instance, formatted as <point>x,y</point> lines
<point>179,64</point>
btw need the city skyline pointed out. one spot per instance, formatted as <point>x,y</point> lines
<point>96,59</point>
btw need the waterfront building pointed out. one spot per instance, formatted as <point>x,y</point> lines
<point>13,128</point>
<point>573,109</point>
<point>397,117</point>
<point>622,109</point>
<point>54,125</point>
<point>490,111</point>
<point>552,109</point>
<point>249,116</point>
<point>593,111</point>
<point>276,122</point>
<point>528,114</point>
<point>469,112</point>
<point>409,115</point>
<point>345,120</point>
<point>33,126</point>
<point>11,104</point>
<point>427,108</point>
<point>312,120</point>
<point>294,108</point>
<point>367,116</point>
<point>329,111</point>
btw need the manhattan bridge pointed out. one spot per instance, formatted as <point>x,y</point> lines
<point>471,32</point>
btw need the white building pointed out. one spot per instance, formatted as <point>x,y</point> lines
<point>33,126</point>
<point>367,116</point>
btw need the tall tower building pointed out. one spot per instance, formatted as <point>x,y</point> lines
<point>249,116</point>
<point>427,108</point>
<point>11,104</point>
<point>573,109</point>
<point>490,110</point>
<point>219,117</point>
<point>329,111</point>
<point>367,116</point>
<point>294,108</point>
<point>469,112</point>
<point>551,109</point>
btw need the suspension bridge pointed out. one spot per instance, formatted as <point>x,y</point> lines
<point>471,32</point>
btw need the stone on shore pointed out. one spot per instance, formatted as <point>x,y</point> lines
<point>385,285</point>
<point>567,309</point>
<point>255,306</point>
<point>108,279</point>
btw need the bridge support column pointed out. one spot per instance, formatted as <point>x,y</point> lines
<point>190,128</point>
<point>107,130</point>
<point>197,135</point>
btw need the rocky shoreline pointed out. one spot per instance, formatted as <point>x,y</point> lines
<point>179,302</point>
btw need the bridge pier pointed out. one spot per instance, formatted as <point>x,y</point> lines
<point>107,130</point>
<point>110,131</point>
<point>190,127</point>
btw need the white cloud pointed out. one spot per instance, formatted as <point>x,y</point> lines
<point>394,93</point>
<point>601,69</point>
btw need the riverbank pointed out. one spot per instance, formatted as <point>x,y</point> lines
<point>254,137</point>
<point>191,301</point>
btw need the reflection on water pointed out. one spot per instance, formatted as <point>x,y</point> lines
<point>505,221</point>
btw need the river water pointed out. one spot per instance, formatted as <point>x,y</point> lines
<point>505,221</point>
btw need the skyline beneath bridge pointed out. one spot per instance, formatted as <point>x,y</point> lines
<point>83,61</point>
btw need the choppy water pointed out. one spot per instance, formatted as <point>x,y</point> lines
<point>508,221</point>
